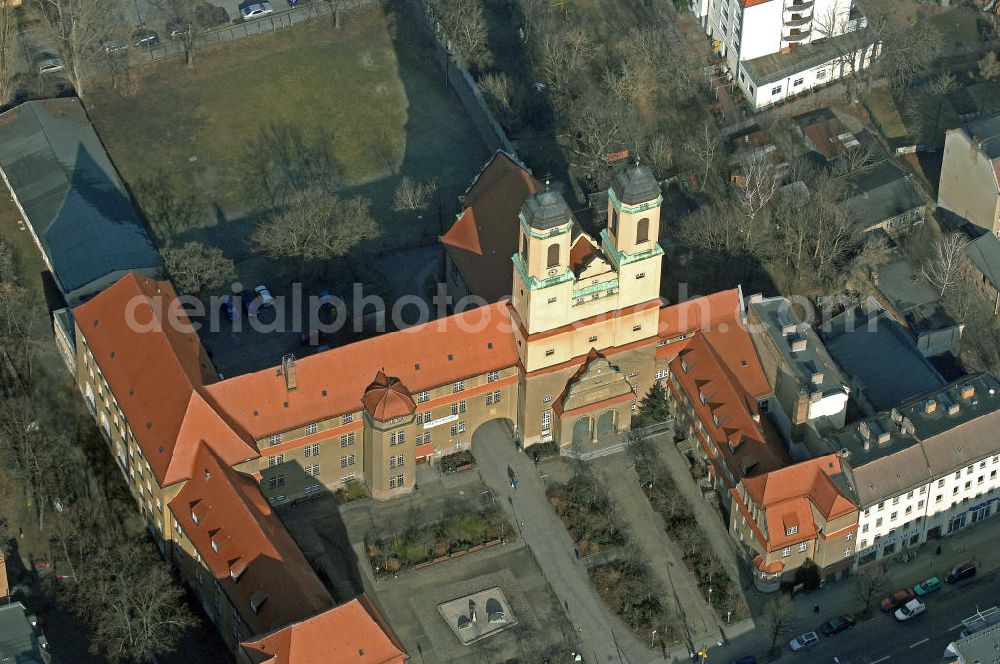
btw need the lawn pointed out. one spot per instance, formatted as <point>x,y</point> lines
<point>367,101</point>
<point>194,127</point>
<point>884,109</point>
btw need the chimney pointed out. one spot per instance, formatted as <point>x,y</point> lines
<point>883,438</point>
<point>789,329</point>
<point>865,430</point>
<point>288,371</point>
<point>816,378</point>
<point>953,409</point>
<point>756,297</point>
<point>875,277</point>
<point>798,345</point>
<point>968,391</point>
<point>868,445</point>
<point>930,406</point>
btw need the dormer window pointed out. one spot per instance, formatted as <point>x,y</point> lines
<point>215,546</point>
<point>257,600</point>
<point>194,517</point>
<point>791,530</point>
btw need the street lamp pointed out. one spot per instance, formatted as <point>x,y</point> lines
<point>652,638</point>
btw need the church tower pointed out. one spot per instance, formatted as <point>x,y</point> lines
<point>630,240</point>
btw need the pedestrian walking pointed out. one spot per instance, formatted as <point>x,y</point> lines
<point>816,609</point>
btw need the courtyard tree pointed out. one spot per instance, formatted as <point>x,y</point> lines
<point>757,185</point>
<point>777,619</point>
<point>562,55</point>
<point>76,29</point>
<point>186,14</point>
<point>653,408</point>
<point>989,66</point>
<point>412,195</point>
<point>703,147</point>
<point>316,225</point>
<point>464,23</point>
<point>195,267</point>
<point>944,268</point>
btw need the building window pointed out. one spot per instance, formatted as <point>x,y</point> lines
<point>776,90</point>
<point>798,81</point>
<point>422,397</point>
<point>347,439</point>
<point>458,386</point>
<point>821,74</point>
<point>552,300</point>
<point>274,439</point>
<point>312,428</point>
<point>791,530</point>
<point>313,470</point>
<point>553,256</point>
<point>803,546</point>
<point>940,483</point>
<point>660,374</point>
<point>785,552</point>
<point>312,450</point>
<point>847,552</point>
<point>275,481</point>
<point>492,398</point>
<point>346,460</point>
<point>274,460</point>
<point>550,352</point>
<point>642,231</point>
<point>641,275</point>
<point>492,376</point>
<point>546,422</point>
<point>396,482</point>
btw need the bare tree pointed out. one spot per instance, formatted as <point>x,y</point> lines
<point>945,266</point>
<point>562,56</point>
<point>853,159</point>
<point>76,27</point>
<point>757,186</point>
<point>465,25</point>
<point>869,584</point>
<point>989,66</point>
<point>703,147</point>
<point>596,129</point>
<point>412,195</point>
<point>317,225</point>
<point>186,14</point>
<point>8,45</point>
<point>195,267</point>
<point>498,90</point>
<point>777,619</point>
<point>713,227</point>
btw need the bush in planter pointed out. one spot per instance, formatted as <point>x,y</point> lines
<point>542,450</point>
<point>452,462</point>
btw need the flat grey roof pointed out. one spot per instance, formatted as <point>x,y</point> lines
<point>69,190</point>
<point>984,251</point>
<point>881,358</point>
<point>986,131</point>
<point>983,646</point>
<point>18,642</point>
<point>881,191</point>
<point>776,66</point>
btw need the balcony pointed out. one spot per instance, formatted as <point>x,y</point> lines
<point>796,37</point>
<point>798,22</point>
<point>799,6</point>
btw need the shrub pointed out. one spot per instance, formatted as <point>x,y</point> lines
<point>452,462</point>
<point>542,450</point>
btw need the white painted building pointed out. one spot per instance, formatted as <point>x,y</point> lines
<point>926,470</point>
<point>775,49</point>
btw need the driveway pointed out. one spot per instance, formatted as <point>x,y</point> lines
<point>601,636</point>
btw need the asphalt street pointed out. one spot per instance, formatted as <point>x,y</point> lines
<point>922,640</point>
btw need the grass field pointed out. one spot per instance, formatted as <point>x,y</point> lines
<point>195,124</point>
<point>885,111</point>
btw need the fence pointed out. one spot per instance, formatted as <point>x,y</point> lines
<point>240,29</point>
<point>459,79</point>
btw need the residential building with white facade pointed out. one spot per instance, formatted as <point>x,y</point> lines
<point>775,49</point>
<point>925,470</point>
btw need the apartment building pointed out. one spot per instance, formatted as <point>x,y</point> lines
<point>775,49</point>
<point>970,173</point>
<point>793,514</point>
<point>926,469</point>
<point>808,385</point>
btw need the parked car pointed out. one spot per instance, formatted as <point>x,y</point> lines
<point>266,299</point>
<point>927,586</point>
<point>115,46</point>
<point>176,28</point>
<point>50,66</point>
<point>803,641</point>
<point>837,625</point>
<point>897,599</point>
<point>960,572</point>
<point>231,307</point>
<point>912,608</point>
<point>256,10</point>
<point>143,38</point>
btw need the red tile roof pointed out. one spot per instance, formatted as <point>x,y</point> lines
<point>333,382</point>
<point>387,398</point>
<point>788,496</point>
<point>249,541</point>
<point>156,367</point>
<point>352,633</point>
<point>483,239</point>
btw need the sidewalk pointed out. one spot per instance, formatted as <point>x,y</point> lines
<point>647,532</point>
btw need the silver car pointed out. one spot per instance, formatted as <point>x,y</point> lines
<point>256,10</point>
<point>51,66</point>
